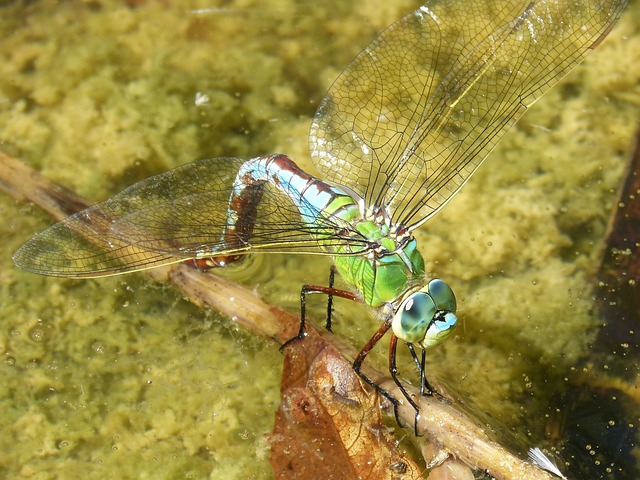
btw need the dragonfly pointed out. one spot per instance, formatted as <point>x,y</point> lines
<point>398,134</point>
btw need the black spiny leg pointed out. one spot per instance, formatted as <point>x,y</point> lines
<point>393,370</point>
<point>425,387</point>
<point>332,277</point>
<point>330,292</point>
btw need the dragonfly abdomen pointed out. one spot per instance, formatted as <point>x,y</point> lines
<point>318,203</point>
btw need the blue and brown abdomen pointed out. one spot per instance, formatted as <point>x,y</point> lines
<point>320,205</point>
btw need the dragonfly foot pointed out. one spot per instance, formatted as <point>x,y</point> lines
<point>292,340</point>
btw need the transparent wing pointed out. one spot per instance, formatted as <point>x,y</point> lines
<point>416,113</point>
<point>178,215</point>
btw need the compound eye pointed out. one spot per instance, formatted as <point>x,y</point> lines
<point>412,319</point>
<point>441,328</point>
<point>442,295</point>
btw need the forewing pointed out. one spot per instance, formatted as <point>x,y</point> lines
<point>414,115</point>
<point>175,216</point>
<point>195,225</point>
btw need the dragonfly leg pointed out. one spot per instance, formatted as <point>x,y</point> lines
<point>357,364</point>
<point>311,289</point>
<point>303,308</point>
<point>393,370</point>
<point>425,386</point>
<point>332,276</point>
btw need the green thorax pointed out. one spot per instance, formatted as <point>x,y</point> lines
<point>381,276</point>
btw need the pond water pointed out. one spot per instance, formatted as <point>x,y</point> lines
<point>122,378</point>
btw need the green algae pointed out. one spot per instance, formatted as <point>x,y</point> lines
<point>122,378</point>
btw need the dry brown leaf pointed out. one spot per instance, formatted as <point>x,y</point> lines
<point>327,426</point>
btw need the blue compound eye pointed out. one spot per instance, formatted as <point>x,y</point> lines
<point>442,295</point>
<point>412,319</point>
<point>440,329</point>
<point>426,317</point>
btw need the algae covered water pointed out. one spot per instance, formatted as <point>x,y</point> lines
<point>122,377</point>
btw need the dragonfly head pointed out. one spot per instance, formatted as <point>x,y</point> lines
<point>427,316</point>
